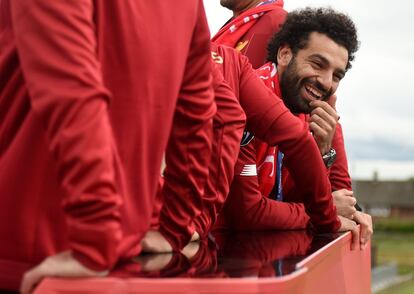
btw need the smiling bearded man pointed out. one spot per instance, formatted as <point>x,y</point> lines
<point>308,58</point>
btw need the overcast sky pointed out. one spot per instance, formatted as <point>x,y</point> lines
<point>376,98</point>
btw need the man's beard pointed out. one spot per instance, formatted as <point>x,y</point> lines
<point>291,85</point>
<point>229,4</point>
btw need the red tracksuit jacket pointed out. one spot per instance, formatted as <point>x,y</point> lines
<point>338,173</point>
<point>266,155</point>
<point>228,126</point>
<point>89,93</point>
<point>256,178</point>
<point>270,120</point>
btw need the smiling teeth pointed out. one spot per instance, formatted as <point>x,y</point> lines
<point>314,92</point>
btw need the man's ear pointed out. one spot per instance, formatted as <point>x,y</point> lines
<point>284,55</point>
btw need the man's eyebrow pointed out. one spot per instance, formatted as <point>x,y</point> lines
<point>325,61</point>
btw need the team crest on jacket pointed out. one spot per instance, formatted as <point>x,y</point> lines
<point>247,138</point>
<point>241,45</point>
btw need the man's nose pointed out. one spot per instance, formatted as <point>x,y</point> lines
<point>325,79</point>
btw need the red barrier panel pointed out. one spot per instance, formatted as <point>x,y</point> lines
<point>336,269</point>
<point>288,284</point>
<point>332,269</point>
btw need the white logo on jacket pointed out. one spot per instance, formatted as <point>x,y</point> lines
<point>249,170</point>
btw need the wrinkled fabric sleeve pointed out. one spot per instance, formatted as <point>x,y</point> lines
<point>228,125</point>
<point>270,120</point>
<point>57,49</point>
<point>189,148</point>
<point>338,173</point>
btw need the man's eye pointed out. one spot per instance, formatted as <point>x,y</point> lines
<point>317,64</point>
<point>337,78</point>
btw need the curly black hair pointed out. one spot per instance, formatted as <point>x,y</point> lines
<point>300,23</point>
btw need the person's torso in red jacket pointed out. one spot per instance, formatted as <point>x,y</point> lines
<point>141,53</point>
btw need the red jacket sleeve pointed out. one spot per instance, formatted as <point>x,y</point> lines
<point>57,49</point>
<point>228,125</point>
<point>247,209</point>
<point>189,148</point>
<point>338,173</point>
<point>270,120</point>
